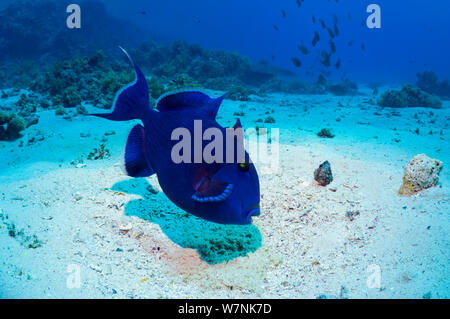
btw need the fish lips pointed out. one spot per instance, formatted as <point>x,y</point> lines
<point>255,211</point>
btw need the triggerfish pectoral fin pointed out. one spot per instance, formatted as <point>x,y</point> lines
<point>135,157</point>
<point>132,102</point>
<point>180,100</point>
<point>212,191</point>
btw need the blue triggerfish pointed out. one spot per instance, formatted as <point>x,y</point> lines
<point>225,192</point>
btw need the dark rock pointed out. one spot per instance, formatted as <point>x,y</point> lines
<point>269,119</point>
<point>323,174</point>
<point>326,133</point>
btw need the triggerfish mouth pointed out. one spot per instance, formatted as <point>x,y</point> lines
<point>167,144</point>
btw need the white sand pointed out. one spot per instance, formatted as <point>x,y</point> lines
<point>309,246</point>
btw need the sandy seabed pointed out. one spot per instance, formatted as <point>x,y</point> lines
<point>129,241</point>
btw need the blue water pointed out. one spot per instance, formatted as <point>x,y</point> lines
<point>413,36</point>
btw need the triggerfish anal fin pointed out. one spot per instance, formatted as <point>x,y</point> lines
<point>132,102</point>
<point>212,191</point>
<point>135,157</point>
<point>180,100</point>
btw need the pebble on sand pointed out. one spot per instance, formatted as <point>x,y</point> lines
<point>323,174</point>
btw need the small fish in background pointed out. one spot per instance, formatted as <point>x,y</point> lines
<point>296,62</point>
<point>275,27</point>
<point>336,30</point>
<point>273,57</point>
<point>143,12</point>
<point>283,13</point>
<point>330,32</point>
<point>363,47</point>
<point>314,19</point>
<point>303,49</point>
<point>325,59</point>
<point>226,193</point>
<point>332,47</point>
<point>315,39</point>
<point>299,2</point>
<point>198,21</point>
<point>350,43</point>
<point>338,64</point>
<point>324,26</point>
<point>363,23</point>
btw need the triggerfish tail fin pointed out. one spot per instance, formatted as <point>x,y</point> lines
<point>180,100</point>
<point>132,102</point>
<point>135,157</point>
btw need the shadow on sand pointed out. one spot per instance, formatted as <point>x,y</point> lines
<point>215,243</point>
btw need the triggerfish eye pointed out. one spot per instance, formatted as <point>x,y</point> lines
<point>244,167</point>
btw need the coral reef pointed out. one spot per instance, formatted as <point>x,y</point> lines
<point>35,30</point>
<point>213,69</point>
<point>199,64</point>
<point>428,81</point>
<point>420,173</point>
<point>68,83</point>
<point>182,81</point>
<point>239,93</point>
<point>323,175</point>
<point>409,96</point>
<point>295,86</point>
<point>10,126</point>
<point>84,76</point>
<point>345,87</point>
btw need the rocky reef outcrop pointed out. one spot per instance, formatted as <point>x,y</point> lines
<point>409,96</point>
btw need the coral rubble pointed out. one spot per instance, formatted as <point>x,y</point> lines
<point>420,173</point>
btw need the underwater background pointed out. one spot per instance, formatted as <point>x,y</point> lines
<point>357,207</point>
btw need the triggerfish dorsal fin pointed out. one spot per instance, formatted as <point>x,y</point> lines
<point>135,158</point>
<point>132,102</point>
<point>212,191</point>
<point>237,124</point>
<point>179,100</point>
